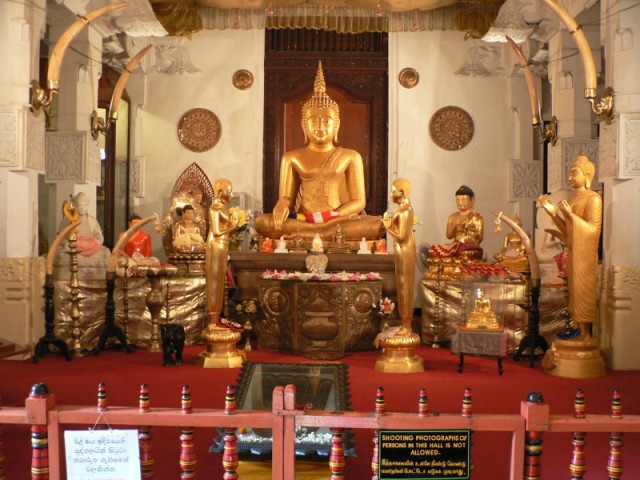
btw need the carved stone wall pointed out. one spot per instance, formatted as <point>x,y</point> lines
<point>72,156</point>
<point>629,145</point>
<point>620,329</point>
<point>22,139</point>
<point>21,297</point>
<point>525,179</point>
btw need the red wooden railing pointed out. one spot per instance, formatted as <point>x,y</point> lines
<point>45,420</point>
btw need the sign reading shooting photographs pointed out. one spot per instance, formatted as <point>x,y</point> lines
<point>102,454</point>
<point>424,454</point>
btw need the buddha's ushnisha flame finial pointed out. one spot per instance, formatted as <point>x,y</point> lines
<point>320,99</point>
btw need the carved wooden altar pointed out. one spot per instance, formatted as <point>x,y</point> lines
<point>319,319</point>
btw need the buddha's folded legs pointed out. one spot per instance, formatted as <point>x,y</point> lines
<point>369,227</point>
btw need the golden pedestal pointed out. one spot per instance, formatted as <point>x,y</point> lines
<point>399,353</point>
<point>221,349</point>
<point>574,358</point>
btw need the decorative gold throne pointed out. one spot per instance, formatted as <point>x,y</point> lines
<point>190,185</point>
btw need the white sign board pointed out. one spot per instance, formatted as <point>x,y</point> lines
<point>102,454</point>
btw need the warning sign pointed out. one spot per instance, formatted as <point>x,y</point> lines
<point>424,454</point>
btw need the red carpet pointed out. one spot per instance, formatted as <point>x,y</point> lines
<point>75,383</point>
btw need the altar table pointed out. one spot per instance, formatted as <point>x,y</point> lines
<point>480,343</point>
<point>319,319</point>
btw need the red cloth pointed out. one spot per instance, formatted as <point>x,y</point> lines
<point>139,242</point>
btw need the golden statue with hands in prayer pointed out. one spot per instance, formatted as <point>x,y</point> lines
<point>321,184</point>
<point>220,339</point>
<point>579,221</point>
<point>580,226</point>
<point>399,348</point>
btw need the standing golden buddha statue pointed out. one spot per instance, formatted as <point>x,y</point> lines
<point>220,339</point>
<point>399,349</point>
<point>579,221</point>
<point>321,185</point>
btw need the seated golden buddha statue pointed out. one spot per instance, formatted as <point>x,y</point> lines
<point>513,254</point>
<point>465,228</point>
<point>321,184</point>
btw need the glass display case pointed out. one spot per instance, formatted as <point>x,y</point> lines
<point>485,304</point>
<point>319,386</point>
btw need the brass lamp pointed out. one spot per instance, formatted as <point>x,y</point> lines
<point>98,124</point>
<point>42,97</point>
<point>550,132</point>
<point>603,107</point>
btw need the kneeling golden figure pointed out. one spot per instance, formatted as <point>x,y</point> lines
<point>321,184</point>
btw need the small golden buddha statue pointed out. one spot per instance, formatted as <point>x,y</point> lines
<point>338,245</point>
<point>321,184</point>
<point>482,316</point>
<point>513,254</point>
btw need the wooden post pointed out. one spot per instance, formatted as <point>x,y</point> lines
<point>536,415</point>
<point>102,397</point>
<point>423,403</point>
<point>37,415</point>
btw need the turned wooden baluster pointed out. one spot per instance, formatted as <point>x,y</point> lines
<point>578,464</point>
<point>336,458</point>
<point>188,458</point>
<point>380,410</point>
<point>102,397</point>
<point>144,436</point>
<point>39,439</point>
<point>467,403</point>
<point>614,463</point>
<point>423,403</point>
<point>230,452</point>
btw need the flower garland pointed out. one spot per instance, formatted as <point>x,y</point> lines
<point>328,277</point>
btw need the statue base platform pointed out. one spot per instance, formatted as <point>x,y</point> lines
<point>576,358</point>
<point>189,265</point>
<point>221,349</point>
<point>399,354</point>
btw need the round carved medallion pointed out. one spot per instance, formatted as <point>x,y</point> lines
<point>199,130</point>
<point>242,79</point>
<point>451,128</point>
<point>408,77</point>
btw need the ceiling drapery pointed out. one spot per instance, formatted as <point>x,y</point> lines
<point>184,17</point>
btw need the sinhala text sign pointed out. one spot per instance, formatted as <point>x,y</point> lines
<point>102,454</point>
<point>423,454</point>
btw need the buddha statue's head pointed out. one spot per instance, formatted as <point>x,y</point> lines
<point>465,198</point>
<point>401,187</point>
<point>222,189</point>
<point>320,114</point>
<point>81,201</point>
<point>582,166</point>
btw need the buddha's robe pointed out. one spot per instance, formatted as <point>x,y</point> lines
<point>583,236</point>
